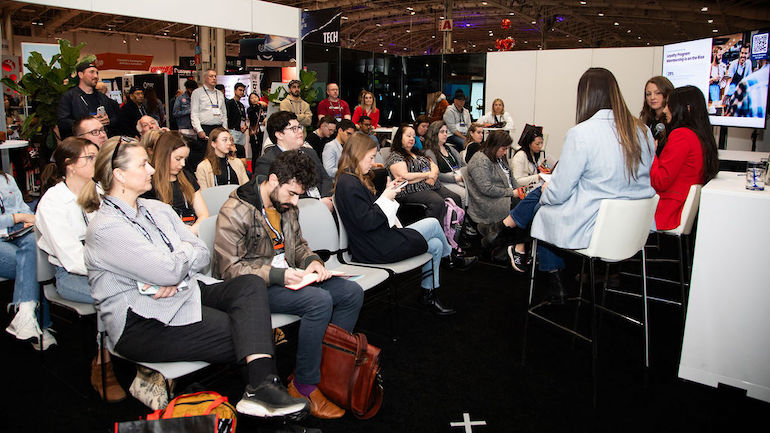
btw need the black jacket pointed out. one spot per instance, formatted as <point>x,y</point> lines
<point>127,117</point>
<point>235,113</point>
<point>371,240</point>
<point>325,182</point>
<point>71,108</point>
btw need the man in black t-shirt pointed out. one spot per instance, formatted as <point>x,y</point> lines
<point>131,111</point>
<point>317,139</point>
<point>83,100</point>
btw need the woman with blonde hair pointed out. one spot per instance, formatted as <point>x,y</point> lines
<point>497,117</point>
<point>220,166</point>
<point>367,106</point>
<point>174,185</point>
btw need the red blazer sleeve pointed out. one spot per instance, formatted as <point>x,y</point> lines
<point>357,115</point>
<point>667,166</point>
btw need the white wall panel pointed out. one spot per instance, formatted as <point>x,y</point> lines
<point>275,19</point>
<point>230,14</point>
<point>558,73</point>
<point>70,4</point>
<point>632,68</point>
<point>513,74</point>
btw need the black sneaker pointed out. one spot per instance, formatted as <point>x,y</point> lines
<point>270,399</point>
<point>518,260</point>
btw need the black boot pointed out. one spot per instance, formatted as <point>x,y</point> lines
<point>491,233</point>
<point>556,293</point>
<point>430,300</point>
<point>460,262</point>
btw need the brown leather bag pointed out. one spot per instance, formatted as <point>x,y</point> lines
<point>350,372</point>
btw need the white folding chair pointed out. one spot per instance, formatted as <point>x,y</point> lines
<point>206,232</point>
<point>619,233</point>
<point>216,196</point>
<point>385,152</point>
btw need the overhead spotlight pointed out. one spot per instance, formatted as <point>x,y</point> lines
<point>441,18</point>
<point>410,8</point>
<point>138,38</point>
<point>384,51</point>
<point>526,42</point>
<point>709,21</point>
<point>704,9</point>
<point>404,48</point>
<point>638,37</point>
<point>580,40</point>
<point>465,51</point>
<point>380,43</point>
<point>534,22</point>
<point>491,34</point>
<point>344,18</point>
<point>165,33</point>
<point>628,31</point>
<point>474,45</point>
<point>408,31</point>
<point>378,25</point>
<point>411,13</point>
<point>483,3</point>
<point>601,14</point>
<point>715,31</point>
<point>511,13</point>
<point>583,3</point>
<point>616,23</point>
<point>433,36</point>
<point>124,41</point>
<point>306,9</point>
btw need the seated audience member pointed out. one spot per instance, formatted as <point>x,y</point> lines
<point>367,106</point>
<point>446,158</point>
<point>145,124</point>
<point>284,130</point>
<point>220,166</point>
<point>62,225</point>
<point>457,119</point>
<point>607,155</point>
<point>318,138</point>
<point>333,149</point>
<point>371,224</point>
<point>656,92</point>
<point>492,190</point>
<point>18,262</point>
<point>174,185</point>
<point>497,117</point>
<point>90,128</point>
<point>420,126</point>
<point>530,159</point>
<point>258,233</point>
<point>148,141</point>
<point>407,163</point>
<point>143,267</point>
<point>473,142</point>
<point>365,126</point>
<point>689,156</point>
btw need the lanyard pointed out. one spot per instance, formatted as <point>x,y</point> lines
<point>278,235</point>
<point>506,171</point>
<point>451,163</point>
<point>227,169</point>
<point>209,96</point>
<point>147,236</point>
<point>337,107</point>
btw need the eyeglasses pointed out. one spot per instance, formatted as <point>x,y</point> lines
<point>294,129</point>
<point>123,139</point>
<point>94,132</point>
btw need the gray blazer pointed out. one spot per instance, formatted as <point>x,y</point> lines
<point>447,177</point>
<point>489,194</point>
<point>591,168</point>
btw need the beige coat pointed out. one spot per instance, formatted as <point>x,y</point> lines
<point>205,175</point>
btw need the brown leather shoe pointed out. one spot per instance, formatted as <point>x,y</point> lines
<point>114,391</point>
<point>320,406</point>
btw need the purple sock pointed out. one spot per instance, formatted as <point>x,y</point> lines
<point>304,389</point>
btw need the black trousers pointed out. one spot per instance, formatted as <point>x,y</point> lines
<point>235,323</point>
<point>433,199</point>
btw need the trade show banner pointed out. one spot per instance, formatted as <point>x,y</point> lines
<point>322,26</point>
<point>128,62</point>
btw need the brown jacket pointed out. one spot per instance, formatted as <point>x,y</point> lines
<point>205,174</point>
<point>243,245</point>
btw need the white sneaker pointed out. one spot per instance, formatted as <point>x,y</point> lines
<point>48,340</point>
<point>24,326</point>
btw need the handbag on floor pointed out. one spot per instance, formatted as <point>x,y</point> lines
<point>350,372</point>
<point>200,403</point>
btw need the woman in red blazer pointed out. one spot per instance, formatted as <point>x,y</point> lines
<point>688,156</point>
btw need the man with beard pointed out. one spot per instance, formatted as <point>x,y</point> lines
<point>258,233</point>
<point>294,104</point>
<point>83,100</point>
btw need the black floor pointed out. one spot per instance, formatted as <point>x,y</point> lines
<point>439,369</point>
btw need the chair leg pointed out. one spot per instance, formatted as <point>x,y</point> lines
<point>594,333</point>
<point>529,302</point>
<point>645,323</point>
<point>103,366</point>
<point>681,278</point>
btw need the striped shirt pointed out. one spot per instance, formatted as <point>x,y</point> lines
<point>126,246</point>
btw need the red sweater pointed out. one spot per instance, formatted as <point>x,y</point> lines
<point>679,166</point>
<point>374,115</point>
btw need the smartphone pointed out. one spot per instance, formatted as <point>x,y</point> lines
<point>401,185</point>
<point>100,111</point>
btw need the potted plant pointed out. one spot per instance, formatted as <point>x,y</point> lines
<point>43,85</point>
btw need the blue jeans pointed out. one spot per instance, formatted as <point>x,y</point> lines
<point>335,300</point>
<point>18,261</point>
<point>522,215</point>
<point>438,247</point>
<point>73,287</point>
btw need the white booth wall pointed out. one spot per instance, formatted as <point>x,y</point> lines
<point>540,87</point>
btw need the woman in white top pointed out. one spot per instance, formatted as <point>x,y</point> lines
<point>62,224</point>
<point>530,159</point>
<point>497,117</point>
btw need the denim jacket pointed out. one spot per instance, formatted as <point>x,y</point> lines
<point>11,199</point>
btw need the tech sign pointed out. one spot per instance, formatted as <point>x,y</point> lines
<point>322,26</point>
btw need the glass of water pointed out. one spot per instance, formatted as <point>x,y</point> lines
<point>755,176</point>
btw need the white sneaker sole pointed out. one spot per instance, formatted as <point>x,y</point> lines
<point>251,408</point>
<point>513,264</point>
<point>24,335</point>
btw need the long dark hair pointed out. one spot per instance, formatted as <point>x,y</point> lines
<point>528,136</point>
<point>211,154</point>
<point>599,90</point>
<point>358,145</point>
<point>168,142</point>
<point>688,110</point>
<point>431,137</point>
<point>495,141</point>
<point>398,147</point>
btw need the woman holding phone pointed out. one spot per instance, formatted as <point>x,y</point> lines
<point>374,233</point>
